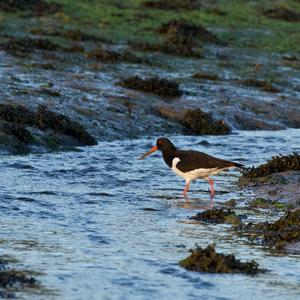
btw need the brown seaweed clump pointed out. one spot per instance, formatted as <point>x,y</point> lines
<point>200,122</point>
<point>110,56</point>
<point>209,261</point>
<point>172,4</point>
<point>217,216</point>
<point>184,49</point>
<point>282,13</point>
<point>262,84</point>
<point>188,30</point>
<point>155,85</point>
<point>278,234</point>
<point>12,280</point>
<point>277,164</point>
<point>206,76</point>
<point>36,7</point>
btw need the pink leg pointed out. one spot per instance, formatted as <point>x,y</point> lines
<point>211,183</point>
<point>186,189</point>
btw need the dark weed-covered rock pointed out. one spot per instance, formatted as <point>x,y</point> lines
<point>187,29</point>
<point>70,34</point>
<point>34,7</point>
<point>155,85</point>
<point>277,164</point>
<point>282,13</point>
<point>277,235</point>
<point>206,76</point>
<point>262,84</point>
<point>217,216</point>
<point>168,47</point>
<point>209,261</point>
<point>266,204</point>
<point>172,4</point>
<point>38,127</point>
<point>23,47</point>
<point>200,122</point>
<point>46,119</point>
<point>110,56</point>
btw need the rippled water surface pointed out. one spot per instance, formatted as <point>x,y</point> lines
<point>100,224</point>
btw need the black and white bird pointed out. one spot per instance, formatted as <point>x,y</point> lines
<point>191,164</point>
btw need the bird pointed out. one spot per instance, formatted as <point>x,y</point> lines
<point>191,164</point>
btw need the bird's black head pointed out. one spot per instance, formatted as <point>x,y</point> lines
<point>164,144</point>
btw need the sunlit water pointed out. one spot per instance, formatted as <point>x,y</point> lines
<point>100,224</point>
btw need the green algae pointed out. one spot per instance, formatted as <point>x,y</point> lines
<point>209,261</point>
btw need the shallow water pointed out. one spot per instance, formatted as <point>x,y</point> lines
<point>100,224</point>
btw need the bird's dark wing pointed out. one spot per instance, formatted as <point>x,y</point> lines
<point>191,160</point>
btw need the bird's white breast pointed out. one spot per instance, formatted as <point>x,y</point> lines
<point>197,173</point>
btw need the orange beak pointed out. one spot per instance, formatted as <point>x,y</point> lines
<point>153,149</point>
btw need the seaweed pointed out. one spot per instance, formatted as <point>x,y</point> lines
<point>105,55</point>
<point>172,4</point>
<point>217,216</point>
<point>276,235</point>
<point>276,164</point>
<point>262,84</point>
<point>36,7</point>
<point>155,85</point>
<point>187,29</point>
<point>200,122</point>
<point>209,261</point>
<point>282,13</point>
<point>206,76</point>
<point>168,47</point>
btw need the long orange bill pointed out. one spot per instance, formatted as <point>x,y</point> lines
<point>153,149</point>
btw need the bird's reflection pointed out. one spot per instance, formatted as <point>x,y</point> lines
<point>197,203</point>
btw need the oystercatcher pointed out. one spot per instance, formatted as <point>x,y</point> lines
<point>191,164</point>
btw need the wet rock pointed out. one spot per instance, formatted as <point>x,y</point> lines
<point>106,55</point>
<point>262,84</point>
<point>168,47</point>
<point>155,85</point>
<point>209,261</point>
<point>277,235</point>
<point>25,46</point>
<point>172,4</point>
<point>36,7</point>
<point>206,76</point>
<point>188,30</point>
<point>282,13</point>
<point>200,122</point>
<point>217,216</point>
<point>277,164</point>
